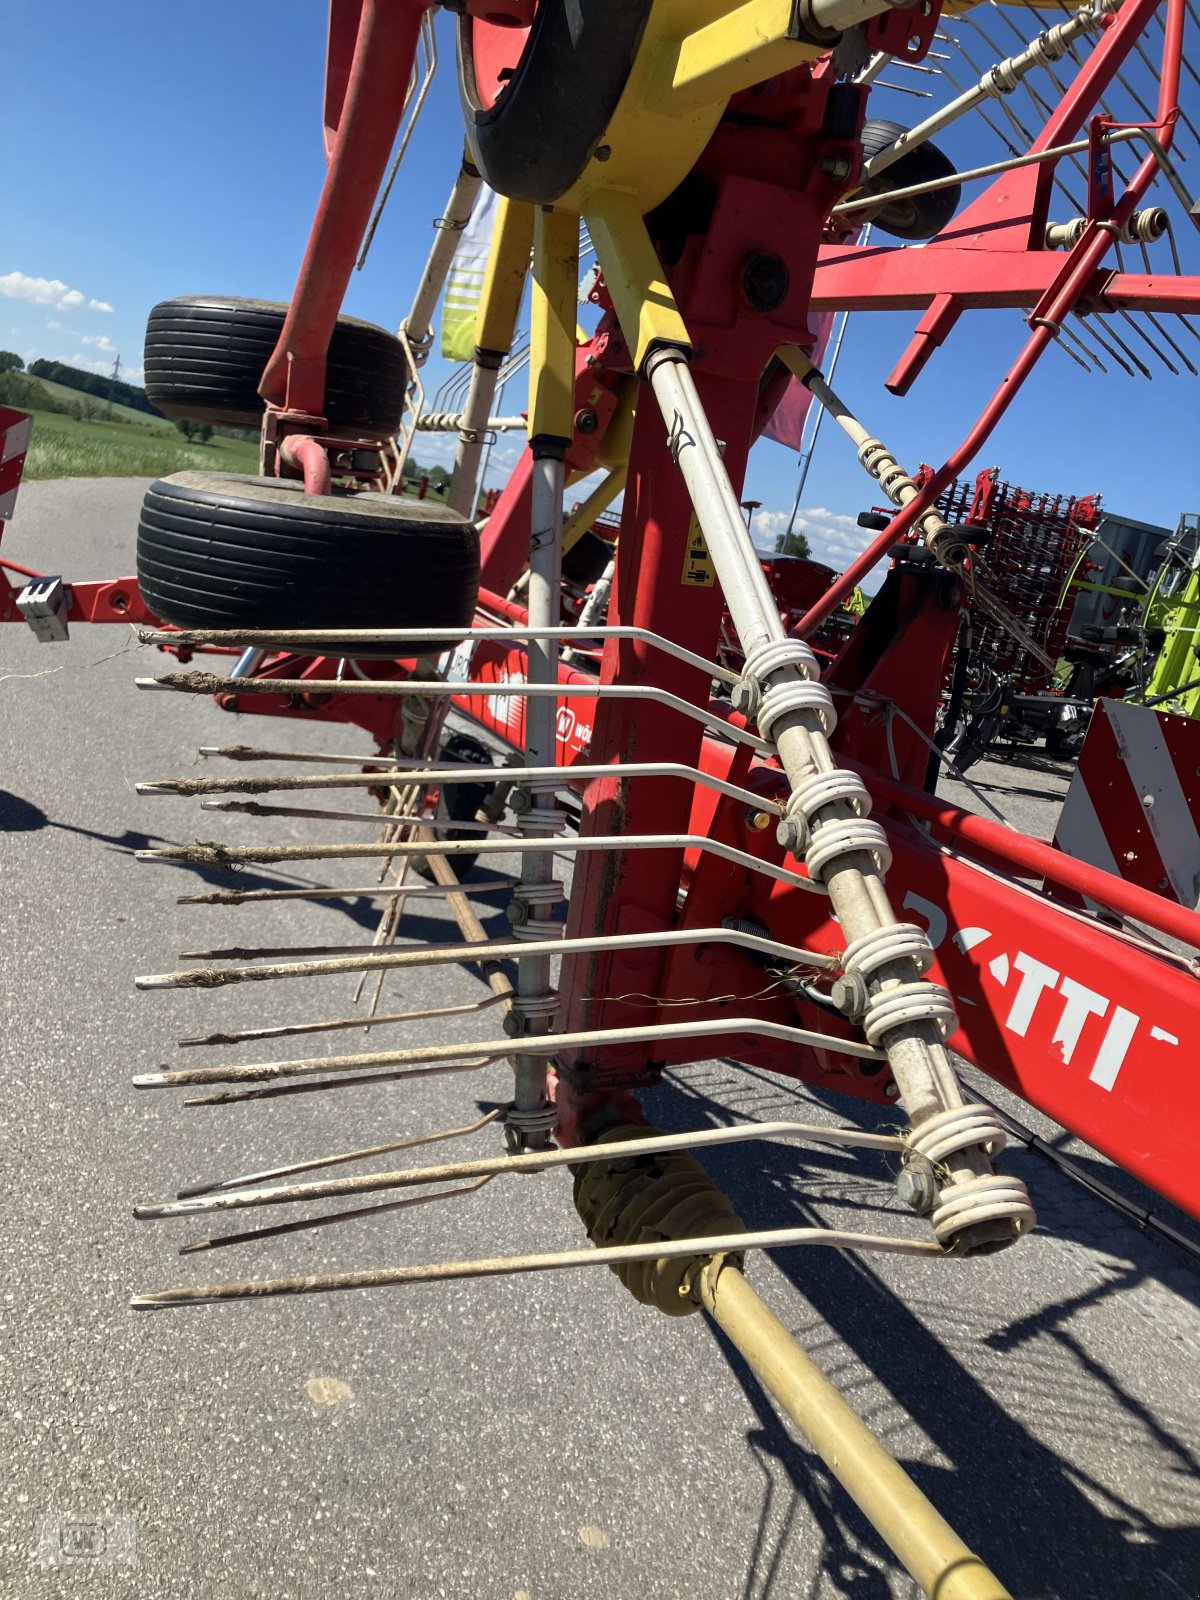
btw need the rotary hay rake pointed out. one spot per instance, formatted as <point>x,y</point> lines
<point>730,827</point>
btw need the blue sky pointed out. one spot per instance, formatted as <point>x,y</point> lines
<point>153,150</point>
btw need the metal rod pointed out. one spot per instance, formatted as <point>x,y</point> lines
<point>238,897</point>
<point>537,866</point>
<point>229,856</point>
<point>203,1201</point>
<point>248,752</point>
<point>496,1049</point>
<point>506,1266</point>
<point>335,640</point>
<point>418,324</point>
<point>806,454</point>
<point>321,1086</point>
<point>254,808</point>
<point>368,1152</point>
<point>253,1235</point>
<point>1033,158</point>
<point>910,1526</point>
<point>334,1024</point>
<point>414,99</point>
<point>440,775</point>
<point>210,683</point>
<point>367,957</point>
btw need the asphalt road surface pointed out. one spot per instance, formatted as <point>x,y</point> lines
<point>537,1439</point>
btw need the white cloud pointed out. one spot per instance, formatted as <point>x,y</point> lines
<point>88,363</point>
<point>101,341</point>
<point>132,374</point>
<point>833,537</point>
<point>57,326</point>
<point>46,292</point>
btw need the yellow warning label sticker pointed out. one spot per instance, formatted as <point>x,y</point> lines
<point>698,569</point>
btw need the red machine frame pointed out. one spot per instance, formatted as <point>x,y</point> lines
<point>1021,966</point>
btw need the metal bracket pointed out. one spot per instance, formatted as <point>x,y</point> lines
<point>44,603</point>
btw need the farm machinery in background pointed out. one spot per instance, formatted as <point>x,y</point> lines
<point>737,780</point>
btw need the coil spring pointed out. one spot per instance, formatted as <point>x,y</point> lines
<point>636,1199</point>
<point>972,1202</point>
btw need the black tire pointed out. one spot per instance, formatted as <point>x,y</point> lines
<point>216,550</point>
<point>1126,583</point>
<point>458,802</point>
<point>585,561</point>
<point>205,356</point>
<point>537,138</point>
<point>920,216</point>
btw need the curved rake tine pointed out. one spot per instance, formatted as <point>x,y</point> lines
<point>334,1024</point>
<point>506,1266</point>
<point>251,1235</point>
<point>536,1161</point>
<point>192,1191</point>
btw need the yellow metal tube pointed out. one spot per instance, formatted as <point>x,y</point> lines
<point>743,47</point>
<point>552,324</point>
<point>920,1538</point>
<point>601,497</point>
<point>634,276</point>
<point>504,278</point>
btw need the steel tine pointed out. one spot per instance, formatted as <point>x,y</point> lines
<point>504,1266</point>
<point>249,752</point>
<point>248,1035</point>
<point>1146,339</point>
<point>252,808</point>
<point>238,897</point>
<point>1104,345</point>
<point>251,1235</point>
<point>366,958</point>
<point>210,854</point>
<point>1157,325</point>
<point>534,1162</point>
<point>268,1174</point>
<point>1112,333</point>
<point>277,1091</point>
<point>496,1049</point>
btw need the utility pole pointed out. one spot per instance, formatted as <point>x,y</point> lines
<point>112,383</point>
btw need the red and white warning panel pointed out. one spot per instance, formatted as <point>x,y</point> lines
<point>15,427</point>
<point>1133,807</point>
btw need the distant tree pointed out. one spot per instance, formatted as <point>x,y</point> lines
<point>106,387</point>
<point>89,406</point>
<point>204,432</point>
<point>792,544</point>
<point>187,429</point>
<point>439,477</point>
<point>10,361</point>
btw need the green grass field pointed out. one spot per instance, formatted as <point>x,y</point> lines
<point>140,419</point>
<point>63,448</point>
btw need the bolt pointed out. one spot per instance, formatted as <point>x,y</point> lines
<point>513,1025</point>
<point>765,280</point>
<point>603,151</point>
<point>517,912</point>
<point>758,821</point>
<point>892,1090</point>
<point>917,1185</point>
<point>792,834</point>
<point>586,420</point>
<point>849,995</point>
<point>520,800</point>
<point>745,697</point>
<point>836,167</point>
